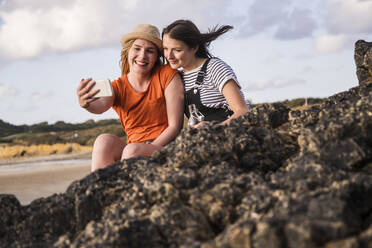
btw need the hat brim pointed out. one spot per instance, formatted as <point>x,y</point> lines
<point>141,35</point>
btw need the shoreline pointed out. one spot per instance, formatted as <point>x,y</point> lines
<point>35,177</point>
<point>53,157</point>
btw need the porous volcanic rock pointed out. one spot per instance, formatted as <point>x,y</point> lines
<point>363,61</point>
<point>272,178</point>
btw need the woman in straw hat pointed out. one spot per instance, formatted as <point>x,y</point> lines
<point>148,97</point>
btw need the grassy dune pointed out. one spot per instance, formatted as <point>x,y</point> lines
<point>48,139</point>
<point>17,151</point>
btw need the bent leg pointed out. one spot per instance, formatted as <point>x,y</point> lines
<point>107,149</point>
<point>139,149</point>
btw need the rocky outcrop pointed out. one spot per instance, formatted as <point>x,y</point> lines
<point>273,178</point>
<point>363,60</point>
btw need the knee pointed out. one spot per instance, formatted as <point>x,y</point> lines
<point>131,150</point>
<point>102,142</point>
<point>107,149</point>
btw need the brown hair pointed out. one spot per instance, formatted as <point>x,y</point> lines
<point>124,64</point>
<point>187,31</point>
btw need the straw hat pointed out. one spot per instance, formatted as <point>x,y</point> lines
<point>146,32</point>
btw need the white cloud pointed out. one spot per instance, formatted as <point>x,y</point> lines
<point>287,21</point>
<point>349,16</point>
<point>278,82</point>
<point>31,28</point>
<point>262,15</point>
<point>330,43</point>
<point>298,24</point>
<point>7,91</point>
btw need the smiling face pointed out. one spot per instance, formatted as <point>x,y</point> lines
<point>142,56</point>
<point>178,53</point>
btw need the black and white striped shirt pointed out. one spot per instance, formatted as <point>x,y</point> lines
<point>218,73</point>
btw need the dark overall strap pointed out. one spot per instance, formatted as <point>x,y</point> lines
<point>193,97</point>
<point>197,86</point>
<point>202,72</point>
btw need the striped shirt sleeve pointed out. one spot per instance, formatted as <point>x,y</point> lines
<point>220,73</point>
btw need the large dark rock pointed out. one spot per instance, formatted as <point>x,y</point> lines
<point>363,61</point>
<point>273,178</point>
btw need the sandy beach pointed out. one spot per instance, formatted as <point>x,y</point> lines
<point>35,177</point>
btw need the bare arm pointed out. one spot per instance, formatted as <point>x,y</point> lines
<point>174,98</point>
<point>235,100</point>
<point>88,101</point>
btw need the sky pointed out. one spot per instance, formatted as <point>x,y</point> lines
<point>278,49</point>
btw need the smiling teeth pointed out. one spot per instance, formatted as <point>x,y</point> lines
<point>141,63</point>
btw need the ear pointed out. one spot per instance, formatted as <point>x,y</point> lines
<point>195,49</point>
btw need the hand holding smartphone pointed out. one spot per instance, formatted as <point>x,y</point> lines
<point>105,88</point>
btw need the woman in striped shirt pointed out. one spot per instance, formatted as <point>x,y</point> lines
<point>212,89</point>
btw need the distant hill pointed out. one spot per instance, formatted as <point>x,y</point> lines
<point>7,129</point>
<point>297,102</point>
<point>294,103</point>
<point>59,132</point>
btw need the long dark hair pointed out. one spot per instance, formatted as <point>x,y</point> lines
<point>188,32</point>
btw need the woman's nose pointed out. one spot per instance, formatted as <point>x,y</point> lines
<point>142,54</point>
<point>170,55</point>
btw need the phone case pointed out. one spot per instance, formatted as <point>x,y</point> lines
<point>105,88</point>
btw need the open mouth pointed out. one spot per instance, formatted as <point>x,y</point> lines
<point>141,63</point>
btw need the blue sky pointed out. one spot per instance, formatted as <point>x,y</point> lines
<point>278,49</point>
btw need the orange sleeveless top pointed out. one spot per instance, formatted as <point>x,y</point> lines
<point>143,115</point>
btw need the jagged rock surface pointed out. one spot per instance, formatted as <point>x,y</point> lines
<point>363,61</point>
<point>273,178</point>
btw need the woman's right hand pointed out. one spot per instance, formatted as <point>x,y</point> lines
<point>84,94</point>
<point>202,123</point>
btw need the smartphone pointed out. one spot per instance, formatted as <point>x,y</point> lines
<point>104,86</point>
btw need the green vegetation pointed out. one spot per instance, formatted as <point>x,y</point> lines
<point>297,102</point>
<point>59,133</point>
<point>301,102</point>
